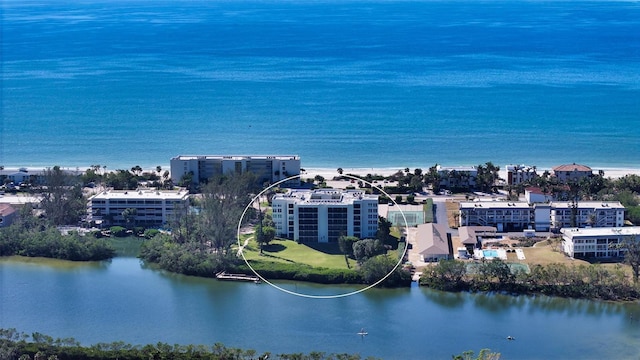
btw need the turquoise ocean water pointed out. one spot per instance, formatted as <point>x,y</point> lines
<point>340,83</point>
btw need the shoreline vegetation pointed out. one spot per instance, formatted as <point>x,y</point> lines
<point>204,243</point>
<point>15,345</point>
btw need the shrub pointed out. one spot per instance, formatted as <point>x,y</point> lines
<point>118,231</point>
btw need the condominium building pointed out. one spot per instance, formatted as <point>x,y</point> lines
<point>310,216</point>
<point>587,214</point>
<point>203,167</point>
<point>516,216</point>
<point>504,216</point>
<point>596,242</point>
<point>149,208</point>
<point>457,176</point>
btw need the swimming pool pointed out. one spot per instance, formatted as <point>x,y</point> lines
<point>490,254</point>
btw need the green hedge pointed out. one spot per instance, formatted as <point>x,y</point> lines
<point>280,271</point>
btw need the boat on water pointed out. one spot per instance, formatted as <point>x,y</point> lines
<point>237,277</point>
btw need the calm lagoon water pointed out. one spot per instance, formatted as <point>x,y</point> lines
<point>122,300</point>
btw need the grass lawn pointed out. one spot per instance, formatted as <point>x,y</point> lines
<point>544,254</point>
<point>289,251</point>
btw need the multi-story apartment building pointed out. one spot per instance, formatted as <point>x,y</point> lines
<point>458,176</point>
<point>518,174</point>
<point>596,242</point>
<point>515,216</point>
<point>504,216</point>
<point>310,216</point>
<point>203,167</point>
<point>572,172</point>
<point>149,207</point>
<point>587,214</point>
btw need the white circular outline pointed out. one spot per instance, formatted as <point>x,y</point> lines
<point>406,245</point>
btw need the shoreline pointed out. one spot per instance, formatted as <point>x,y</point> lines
<point>613,172</point>
<point>329,173</point>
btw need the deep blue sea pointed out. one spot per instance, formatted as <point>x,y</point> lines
<point>341,83</point>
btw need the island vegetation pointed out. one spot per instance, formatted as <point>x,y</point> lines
<point>16,345</point>
<point>203,242</point>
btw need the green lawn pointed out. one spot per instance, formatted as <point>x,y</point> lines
<point>289,251</point>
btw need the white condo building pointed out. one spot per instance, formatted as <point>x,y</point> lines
<point>310,216</point>
<point>517,216</point>
<point>596,242</point>
<point>152,207</point>
<point>203,167</point>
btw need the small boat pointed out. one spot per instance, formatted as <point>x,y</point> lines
<point>363,333</point>
<point>510,337</point>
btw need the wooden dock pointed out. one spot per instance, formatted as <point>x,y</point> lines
<point>237,277</point>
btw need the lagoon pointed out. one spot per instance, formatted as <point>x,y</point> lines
<point>124,300</point>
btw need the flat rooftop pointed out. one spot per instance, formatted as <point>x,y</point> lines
<point>142,194</point>
<point>236,157</point>
<point>623,231</point>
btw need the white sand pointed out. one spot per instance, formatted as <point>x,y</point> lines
<point>330,173</point>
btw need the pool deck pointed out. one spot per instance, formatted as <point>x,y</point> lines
<point>502,254</point>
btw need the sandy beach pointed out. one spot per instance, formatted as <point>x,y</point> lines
<point>613,173</point>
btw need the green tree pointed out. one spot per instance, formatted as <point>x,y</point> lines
<point>631,247</point>
<point>62,198</point>
<point>346,244</point>
<point>367,248</point>
<point>129,215</point>
<point>379,267</point>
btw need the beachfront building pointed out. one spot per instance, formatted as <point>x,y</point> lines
<point>15,177</point>
<point>518,174</point>
<point>572,172</point>
<point>598,243</point>
<point>7,215</point>
<point>312,216</point>
<point>203,167</point>
<point>587,214</point>
<point>433,242</point>
<point>518,216</point>
<point>457,177</point>
<point>148,208</point>
<point>503,215</point>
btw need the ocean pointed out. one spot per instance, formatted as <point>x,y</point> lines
<point>341,83</point>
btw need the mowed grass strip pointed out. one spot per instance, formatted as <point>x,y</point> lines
<point>289,251</point>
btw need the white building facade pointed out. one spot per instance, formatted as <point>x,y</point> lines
<point>599,243</point>
<point>322,216</point>
<point>517,216</point>
<point>151,208</point>
<point>587,214</point>
<point>203,167</point>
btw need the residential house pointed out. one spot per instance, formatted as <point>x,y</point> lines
<point>572,172</point>
<point>7,215</point>
<point>433,242</point>
<point>518,174</point>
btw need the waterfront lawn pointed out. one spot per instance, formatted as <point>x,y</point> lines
<point>289,251</point>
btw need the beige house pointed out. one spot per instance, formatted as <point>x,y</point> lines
<point>433,242</point>
<point>7,215</point>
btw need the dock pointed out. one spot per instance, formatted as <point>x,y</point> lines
<point>237,277</point>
